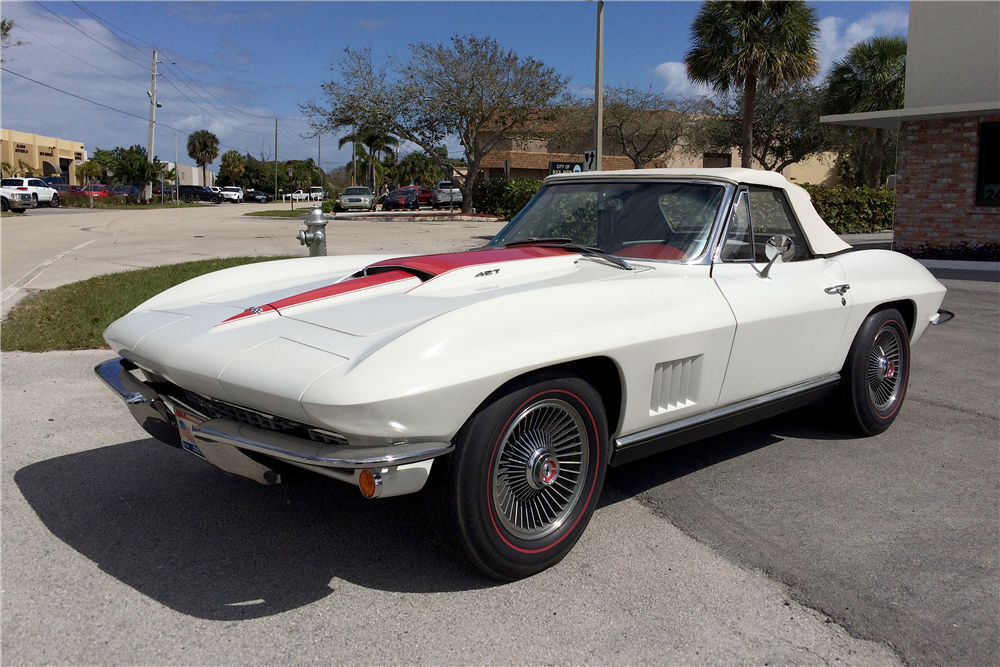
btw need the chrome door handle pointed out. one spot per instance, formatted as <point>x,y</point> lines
<point>837,289</point>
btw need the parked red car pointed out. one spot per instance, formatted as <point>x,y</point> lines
<point>98,190</point>
<point>66,189</point>
<point>423,194</point>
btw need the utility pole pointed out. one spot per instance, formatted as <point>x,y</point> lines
<point>152,122</point>
<point>177,169</point>
<point>599,89</point>
<point>354,155</point>
<point>319,156</point>
<point>275,158</point>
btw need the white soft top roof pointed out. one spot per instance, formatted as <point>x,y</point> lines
<point>822,240</point>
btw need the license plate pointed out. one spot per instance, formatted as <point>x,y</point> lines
<point>185,424</point>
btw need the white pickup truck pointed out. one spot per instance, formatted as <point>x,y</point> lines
<point>446,195</point>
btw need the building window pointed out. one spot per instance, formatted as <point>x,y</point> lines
<point>717,160</point>
<point>988,179</point>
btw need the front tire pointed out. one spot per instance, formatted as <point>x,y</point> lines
<point>4,206</point>
<point>54,202</point>
<point>876,374</point>
<point>525,476</point>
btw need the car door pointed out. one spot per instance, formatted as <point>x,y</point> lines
<point>789,323</point>
<point>40,189</point>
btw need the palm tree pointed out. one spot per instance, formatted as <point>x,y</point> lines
<point>743,44</point>
<point>91,170</point>
<point>233,165</point>
<point>870,78</point>
<point>378,142</point>
<point>203,148</point>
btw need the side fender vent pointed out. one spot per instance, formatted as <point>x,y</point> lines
<point>674,383</point>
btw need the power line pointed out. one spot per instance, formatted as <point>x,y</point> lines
<point>22,28</point>
<point>105,106</point>
<point>88,36</point>
<point>110,25</point>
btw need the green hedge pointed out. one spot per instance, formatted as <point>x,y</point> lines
<point>853,210</point>
<point>503,196</point>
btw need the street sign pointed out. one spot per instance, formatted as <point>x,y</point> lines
<point>289,172</point>
<point>589,160</point>
<point>565,167</point>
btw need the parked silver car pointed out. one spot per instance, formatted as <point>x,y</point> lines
<point>357,197</point>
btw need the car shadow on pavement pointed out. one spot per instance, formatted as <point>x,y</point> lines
<point>221,548</point>
<point>812,422</point>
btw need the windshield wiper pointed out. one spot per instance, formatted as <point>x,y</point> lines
<point>569,244</point>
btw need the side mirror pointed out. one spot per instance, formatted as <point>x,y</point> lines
<point>775,247</point>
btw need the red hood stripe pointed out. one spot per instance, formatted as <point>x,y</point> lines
<point>346,287</point>
<point>438,264</point>
<point>434,265</point>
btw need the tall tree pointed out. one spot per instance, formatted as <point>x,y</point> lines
<point>639,124</point>
<point>786,126</point>
<point>471,88</point>
<point>233,165</point>
<point>738,45</point>
<point>203,148</point>
<point>870,78</point>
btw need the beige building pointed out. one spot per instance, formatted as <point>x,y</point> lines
<point>47,156</point>
<point>534,159</point>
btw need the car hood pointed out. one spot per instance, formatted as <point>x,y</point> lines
<point>258,335</point>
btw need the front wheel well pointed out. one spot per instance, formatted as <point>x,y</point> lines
<point>601,372</point>
<point>906,308</point>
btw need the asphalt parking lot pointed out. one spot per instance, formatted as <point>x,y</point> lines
<point>785,542</point>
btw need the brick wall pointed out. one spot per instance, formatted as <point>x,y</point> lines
<point>936,185</point>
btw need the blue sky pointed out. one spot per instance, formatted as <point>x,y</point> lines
<point>231,67</point>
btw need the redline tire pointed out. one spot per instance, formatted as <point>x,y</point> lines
<point>524,479</point>
<point>875,375</point>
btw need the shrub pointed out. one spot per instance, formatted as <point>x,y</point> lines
<point>331,206</point>
<point>853,210</point>
<point>963,250</point>
<point>503,196</point>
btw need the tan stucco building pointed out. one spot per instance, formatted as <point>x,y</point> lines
<point>48,156</point>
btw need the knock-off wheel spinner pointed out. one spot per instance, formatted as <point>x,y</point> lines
<point>539,469</point>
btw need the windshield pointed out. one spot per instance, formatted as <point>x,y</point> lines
<point>652,220</point>
<point>357,191</point>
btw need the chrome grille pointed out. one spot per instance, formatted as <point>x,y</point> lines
<point>222,410</point>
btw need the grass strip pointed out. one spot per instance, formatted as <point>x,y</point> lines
<point>73,316</point>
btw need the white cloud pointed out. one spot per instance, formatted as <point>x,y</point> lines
<point>833,42</point>
<point>676,82</point>
<point>30,107</point>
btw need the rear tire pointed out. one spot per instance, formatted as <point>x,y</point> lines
<point>875,375</point>
<point>525,476</point>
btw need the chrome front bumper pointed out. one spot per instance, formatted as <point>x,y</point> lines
<point>224,442</point>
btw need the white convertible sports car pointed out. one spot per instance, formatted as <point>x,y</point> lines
<point>618,315</point>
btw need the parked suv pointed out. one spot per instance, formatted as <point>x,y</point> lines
<point>36,187</point>
<point>446,194</point>
<point>199,193</point>
<point>232,194</point>
<point>13,199</point>
<point>316,193</point>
